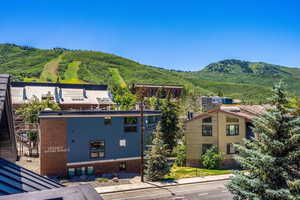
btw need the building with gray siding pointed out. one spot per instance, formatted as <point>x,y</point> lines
<point>93,142</point>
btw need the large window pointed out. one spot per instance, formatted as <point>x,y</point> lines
<point>97,149</point>
<point>206,130</point>
<point>205,147</point>
<point>130,124</point>
<point>232,130</point>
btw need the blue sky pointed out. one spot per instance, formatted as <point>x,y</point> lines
<point>184,34</point>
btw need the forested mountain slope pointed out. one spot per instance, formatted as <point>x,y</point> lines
<point>234,78</point>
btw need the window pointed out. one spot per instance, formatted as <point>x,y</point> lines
<point>207,120</point>
<point>130,120</point>
<point>130,124</point>
<point>232,120</point>
<point>107,120</point>
<point>90,170</point>
<point>78,171</point>
<point>232,130</point>
<point>231,149</point>
<point>130,128</point>
<point>97,149</point>
<point>71,172</point>
<point>97,145</point>
<point>122,166</point>
<point>151,120</point>
<point>96,154</point>
<point>205,147</point>
<point>206,130</point>
<point>123,143</point>
<point>82,170</point>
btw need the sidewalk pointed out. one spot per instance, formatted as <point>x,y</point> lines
<point>146,185</point>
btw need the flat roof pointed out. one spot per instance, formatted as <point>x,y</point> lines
<point>157,86</point>
<point>62,85</point>
<point>96,113</point>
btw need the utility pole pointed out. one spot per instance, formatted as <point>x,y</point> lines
<point>142,133</point>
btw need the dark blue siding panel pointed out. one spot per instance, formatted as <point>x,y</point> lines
<point>82,130</point>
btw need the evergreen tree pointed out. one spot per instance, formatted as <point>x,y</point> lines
<point>272,157</point>
<point>180,152</point>
<point>156,161</point>
<point>169,123</point>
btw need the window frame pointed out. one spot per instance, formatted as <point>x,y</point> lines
<point>100,152</point>
<point>228,148</point>
<point>122,168</point>
<point>130,127</point>
<point>92,149</point>
<point>211,145</point>
<point>211,129</point>
<point>236,129</point>
<point>88,172</point>
<point>126,118</point>
<point>71,169</point>
<point>107,121</point>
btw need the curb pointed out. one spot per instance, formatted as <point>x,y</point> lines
<point>142,188</point>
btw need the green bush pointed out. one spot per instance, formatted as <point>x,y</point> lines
<point>180,152</point>
<point>102,180</point>
<point>212,158</point>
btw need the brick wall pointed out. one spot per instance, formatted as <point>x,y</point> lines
<point>132,166</point>
<point>53,147</point>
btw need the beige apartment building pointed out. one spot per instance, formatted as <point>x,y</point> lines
<point>223,126</point>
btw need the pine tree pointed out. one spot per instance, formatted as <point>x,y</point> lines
<point>169,123</point>
<point>272,157</point>
<point>156,161</point>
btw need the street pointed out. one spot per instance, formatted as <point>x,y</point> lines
<point>203,191</point>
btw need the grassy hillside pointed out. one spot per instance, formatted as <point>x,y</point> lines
<point>233,78</point>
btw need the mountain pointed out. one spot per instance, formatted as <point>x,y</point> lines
<point>250,81</point>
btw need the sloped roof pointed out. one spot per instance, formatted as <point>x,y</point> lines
<point>248,112</point>
<point>79,192</point>
<point>15,179</point>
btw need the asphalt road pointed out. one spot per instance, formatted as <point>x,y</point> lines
<point>203,191</point>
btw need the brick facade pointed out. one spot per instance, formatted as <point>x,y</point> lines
<point>132,166</point>
<point>53,147</point>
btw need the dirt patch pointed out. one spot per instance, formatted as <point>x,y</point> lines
<point>30,163</point>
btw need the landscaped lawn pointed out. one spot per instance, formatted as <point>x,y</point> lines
<point>188,172</point>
